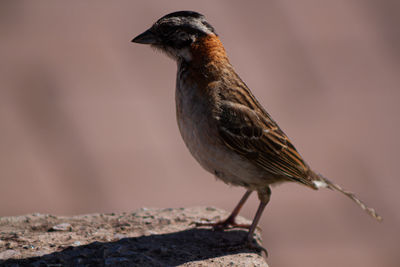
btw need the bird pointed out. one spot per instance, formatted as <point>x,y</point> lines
<point>223,125</point>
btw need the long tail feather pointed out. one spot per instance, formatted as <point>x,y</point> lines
<point>352,196</point>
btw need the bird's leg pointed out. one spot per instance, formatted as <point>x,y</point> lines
<point>230,221</point>
<point>264,197</point>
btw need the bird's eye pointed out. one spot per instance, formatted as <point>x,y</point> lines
<point>181,35</point>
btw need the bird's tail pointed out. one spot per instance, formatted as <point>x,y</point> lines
<point>324,182</point>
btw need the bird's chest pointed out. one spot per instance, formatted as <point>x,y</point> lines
<point>195,111</point>
<point>195,120</point>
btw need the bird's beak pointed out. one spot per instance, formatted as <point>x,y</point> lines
<point>146,38</point>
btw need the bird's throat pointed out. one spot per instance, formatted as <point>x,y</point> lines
<point>208,49</point>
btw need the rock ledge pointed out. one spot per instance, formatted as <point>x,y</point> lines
<point>146,237</point>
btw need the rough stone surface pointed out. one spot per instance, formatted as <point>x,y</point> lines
<point>146,237</point>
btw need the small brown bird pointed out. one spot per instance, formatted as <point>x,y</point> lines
<point>223,125</point>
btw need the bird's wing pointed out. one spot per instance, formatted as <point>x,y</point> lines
<point>257,137</point>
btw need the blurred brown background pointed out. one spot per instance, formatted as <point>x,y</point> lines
<point>87,119</point>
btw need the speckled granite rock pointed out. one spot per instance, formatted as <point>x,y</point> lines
<point>146,237</point>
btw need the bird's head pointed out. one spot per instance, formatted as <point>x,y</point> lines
<point>175,33</point>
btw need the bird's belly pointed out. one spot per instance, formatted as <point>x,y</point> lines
<point>200,134</point>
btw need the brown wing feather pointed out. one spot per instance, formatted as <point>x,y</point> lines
<point>258,138</point>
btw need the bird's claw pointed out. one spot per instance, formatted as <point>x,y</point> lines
<point>253,244</point>
<point>221,225</point>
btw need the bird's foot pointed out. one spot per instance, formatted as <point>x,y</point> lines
<point>229,223</point>
<point>247,244</point>
<point>253,244</point>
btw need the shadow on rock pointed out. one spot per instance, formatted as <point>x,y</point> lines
<point>155,250</point>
